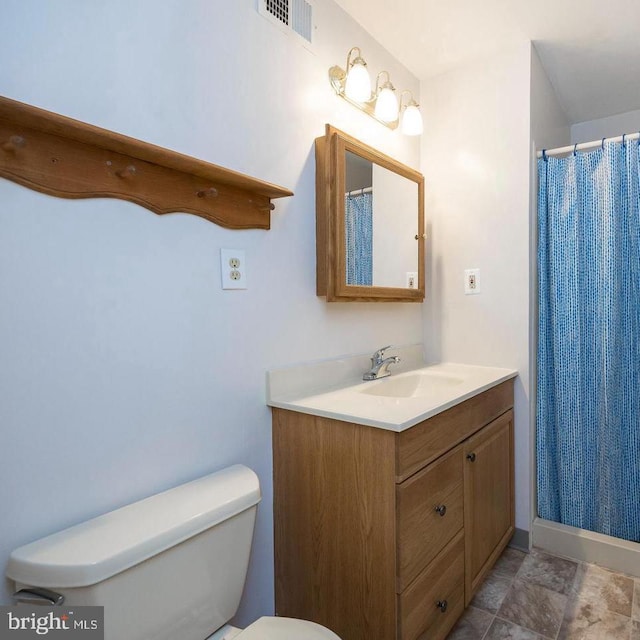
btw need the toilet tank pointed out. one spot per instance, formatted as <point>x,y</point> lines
<point>170,566</point>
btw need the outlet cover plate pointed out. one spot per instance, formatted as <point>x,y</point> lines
<point>233,268</point>
<point>471,282</point>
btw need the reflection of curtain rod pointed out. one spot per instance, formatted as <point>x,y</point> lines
<point>358,192</point>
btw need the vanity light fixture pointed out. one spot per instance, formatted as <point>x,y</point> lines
<point>411,118</point>
<point>386,102</point>
<point>354,85</point>
<point>357,85</point>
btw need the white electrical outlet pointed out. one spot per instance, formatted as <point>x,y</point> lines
<point>471,282</point>
<point>412,279</point>
<point>233,268</point>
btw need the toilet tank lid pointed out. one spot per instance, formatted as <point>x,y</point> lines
<point>97,549</point>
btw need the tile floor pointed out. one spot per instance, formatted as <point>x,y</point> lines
<point>537,596</point>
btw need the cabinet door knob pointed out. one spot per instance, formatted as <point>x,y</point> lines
<point>441,509</point>
<point>471,457</point>
<point>442,605</point>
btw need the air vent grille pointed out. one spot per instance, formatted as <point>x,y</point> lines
<point>279,9</point>
<point>291,16</point>
<point>302,18</point>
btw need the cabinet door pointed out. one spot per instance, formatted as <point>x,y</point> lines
<point>489,518</point>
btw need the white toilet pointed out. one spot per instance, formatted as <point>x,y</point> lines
<point>170,567</point>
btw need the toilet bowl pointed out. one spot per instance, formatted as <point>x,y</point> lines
<point>270,628</point>
<point>170,566</point>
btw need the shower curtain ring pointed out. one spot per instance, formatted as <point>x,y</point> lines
<point>575,149</point>
<point>544,155</point>
<point>603,139</point>
<point>624,144</point>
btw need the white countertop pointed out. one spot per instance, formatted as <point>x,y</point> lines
<point>397,402</point>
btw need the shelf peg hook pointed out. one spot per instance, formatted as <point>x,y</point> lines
<point>13,143</point>
<point>127,172</point>
<point>210,192</point>
<point>265,207</point>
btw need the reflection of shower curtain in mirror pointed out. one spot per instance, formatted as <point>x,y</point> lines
<point>358,218</point>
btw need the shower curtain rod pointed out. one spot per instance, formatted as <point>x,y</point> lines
<point>585,146</point>
<point>357,192</point>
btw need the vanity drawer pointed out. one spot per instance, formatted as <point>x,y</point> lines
<point>429,513</point>
<point>432,604</point>
<point>419,445</point>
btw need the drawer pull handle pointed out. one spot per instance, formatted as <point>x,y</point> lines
<point>471,457</point>
<point>441,509</point>
<point>442,605</point>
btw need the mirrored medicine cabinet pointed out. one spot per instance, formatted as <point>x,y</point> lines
<point>369,223</point>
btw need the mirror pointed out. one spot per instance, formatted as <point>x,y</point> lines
<point>369,223</point>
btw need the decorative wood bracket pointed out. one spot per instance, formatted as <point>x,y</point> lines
<point>63,157</point>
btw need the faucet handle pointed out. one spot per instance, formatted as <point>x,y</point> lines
<point>379,354</point>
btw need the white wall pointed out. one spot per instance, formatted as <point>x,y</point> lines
<point>477,171</point>
<point>549,128</point>
<point>125,369</point>
<point>610,127</point>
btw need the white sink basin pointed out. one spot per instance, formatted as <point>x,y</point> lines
<point>420,384</point>
<point>396,402</point>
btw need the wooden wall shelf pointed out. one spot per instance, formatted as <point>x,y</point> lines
<point>67,158</point>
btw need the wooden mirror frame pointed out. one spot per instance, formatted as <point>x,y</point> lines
<point>330,221</point>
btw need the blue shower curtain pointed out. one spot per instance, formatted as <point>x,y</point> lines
<point>359,238</point>
<point>588,404</point>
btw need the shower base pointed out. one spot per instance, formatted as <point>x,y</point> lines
<point>579,544</point>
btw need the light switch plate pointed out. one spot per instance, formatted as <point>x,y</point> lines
<point>233,268</point>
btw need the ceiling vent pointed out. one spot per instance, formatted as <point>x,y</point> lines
<point>292,16</point>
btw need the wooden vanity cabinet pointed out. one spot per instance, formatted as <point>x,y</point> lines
<point>382,535</point>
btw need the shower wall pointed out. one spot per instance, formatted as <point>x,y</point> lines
<point>610,127</point>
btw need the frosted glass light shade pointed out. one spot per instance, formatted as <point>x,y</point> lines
<point>412,121</point>
<point>387,105</point>
<point>358,84</point>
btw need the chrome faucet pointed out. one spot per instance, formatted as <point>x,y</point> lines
<point>380,365</point>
